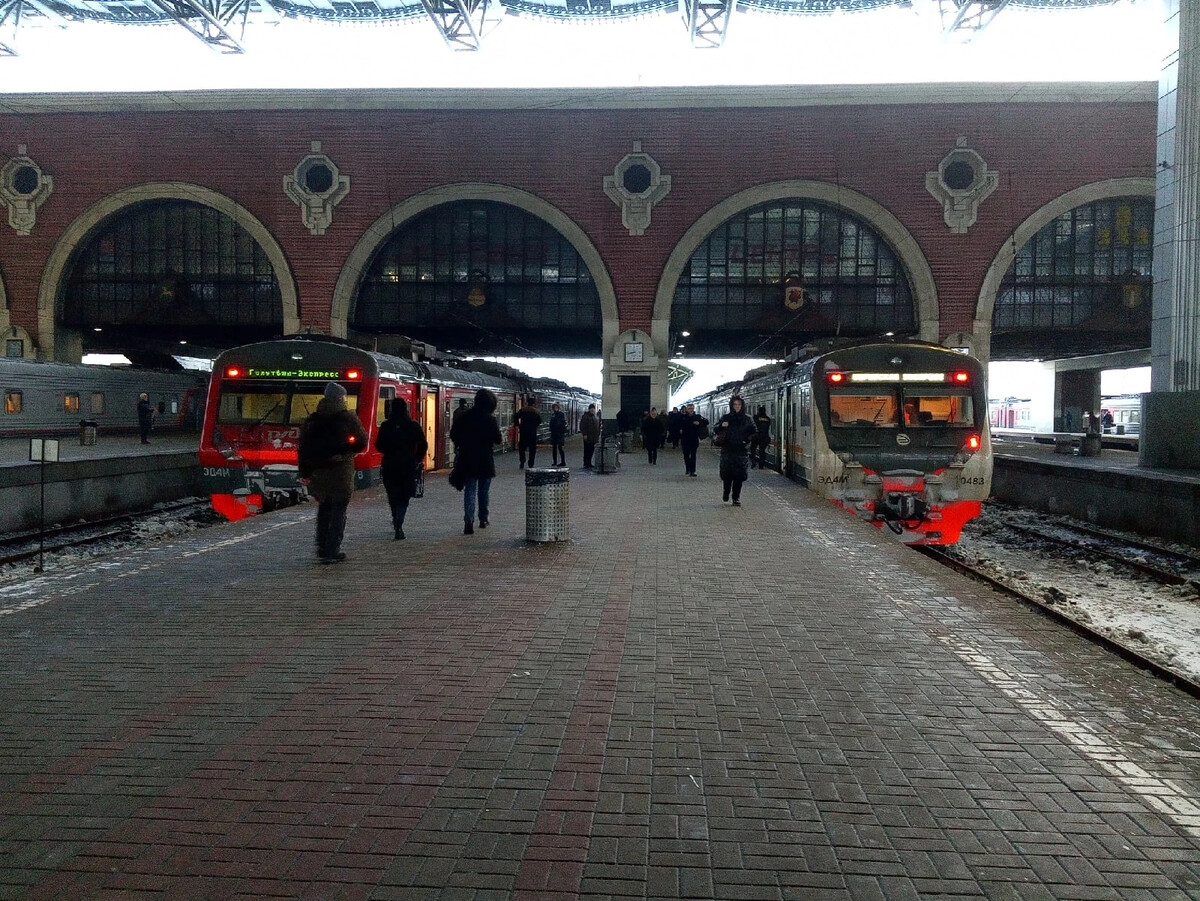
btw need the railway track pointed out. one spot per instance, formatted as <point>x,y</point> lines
<point>1173,567</point>
<point>1126,650</point>
<point>20,547</point>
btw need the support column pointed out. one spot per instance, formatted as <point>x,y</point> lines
<point>1076,396</point>
<point>1175,335</point>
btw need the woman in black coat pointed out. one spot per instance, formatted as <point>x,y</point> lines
<point>403,445</point>
<point>475,435</point>
<point>734,433</point>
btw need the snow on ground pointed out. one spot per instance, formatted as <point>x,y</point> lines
<point>1160,622</point>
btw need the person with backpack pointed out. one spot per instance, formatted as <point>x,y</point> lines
<point>403,445</point>
<point>762,438</point>
<point>329,440</point>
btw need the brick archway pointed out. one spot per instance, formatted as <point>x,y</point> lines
<point>903,244</point>
<point>1101,190</point>
<point>76,233</point>
<point>383,227</point>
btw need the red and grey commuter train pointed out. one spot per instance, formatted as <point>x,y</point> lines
<point>895,432</point>
<point>260,394</point>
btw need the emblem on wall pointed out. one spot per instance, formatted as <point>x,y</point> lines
<point>23,188</point>
<point>316,187</point>
<point>637,183</point>
<point>962,181</point>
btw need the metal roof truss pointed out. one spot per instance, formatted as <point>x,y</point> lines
<point>209,20</point>
<point>968,17</point>
<point>707,21</point>
<point>463,23</point>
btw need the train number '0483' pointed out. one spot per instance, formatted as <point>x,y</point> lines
<point>971,480</point>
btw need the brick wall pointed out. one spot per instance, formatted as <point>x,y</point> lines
<point>883,151</point>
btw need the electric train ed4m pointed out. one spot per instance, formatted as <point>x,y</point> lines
<point>260,395</point>
<point>895,432</point>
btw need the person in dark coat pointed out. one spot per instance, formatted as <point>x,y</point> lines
<point>673,426</point>
<point>476,434</point>
<point>762,438</point>
<point>735,431</point>
<point>558,436</point>
<point>589,430</point>
<point>527,420</point>
<point>145,413</point>
<point>653,433</point>
<point>403,445</point>
<point>691,426</point>
<point>329,440</point>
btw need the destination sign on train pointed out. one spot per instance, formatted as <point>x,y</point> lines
<point>293,373</point>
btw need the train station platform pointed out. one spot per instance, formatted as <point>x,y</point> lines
<point>685,700</point>
<point>1111,489</point>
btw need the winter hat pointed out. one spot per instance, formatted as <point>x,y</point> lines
<point>334,390</point>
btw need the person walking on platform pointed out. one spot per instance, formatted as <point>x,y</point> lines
<point>734,433</point>
<point>476,434</point>
<point>589,429</point>
<point>329,440</point>
<point>145,413</point>
<point>527,420</point>
<point>673,419</point>
<point>653,430</point>
<point>403,445</point>
<point>558,436</point>
<point>762,438</point>
<point>692,427</point>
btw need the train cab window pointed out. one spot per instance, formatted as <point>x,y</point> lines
<point>862,409</point>
<point>13,401</point>
<point>383,409</point>
<point>97,402</point>
<point>938,407</point>
<point>260,402</point>
<point>71,402</point>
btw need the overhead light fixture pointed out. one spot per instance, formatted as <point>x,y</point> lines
<point>686,334</point>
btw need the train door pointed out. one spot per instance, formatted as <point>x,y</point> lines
<point>429,418</point>
<point>783,402</point>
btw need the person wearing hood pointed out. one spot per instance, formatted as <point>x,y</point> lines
<point>734,432</point>
<point>329,440</point>
<point>476,434</point>
<point>403,445</point>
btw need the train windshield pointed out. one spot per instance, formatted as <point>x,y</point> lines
<point>861,408</point>
<point>268,402</point>
<point>938,407</point>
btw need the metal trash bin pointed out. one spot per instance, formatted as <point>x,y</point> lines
<point>548,504</point>
<point>87,432</point>
<point>610,457</point>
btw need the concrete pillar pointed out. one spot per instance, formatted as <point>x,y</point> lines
<point>1175,334</point>
<point>1076,394</point>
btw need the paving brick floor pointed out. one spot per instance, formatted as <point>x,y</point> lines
<point>686,700</point>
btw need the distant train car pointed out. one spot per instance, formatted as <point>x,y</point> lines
<point>894,432</point>
<point>260,394</point>
<point>45,398</point>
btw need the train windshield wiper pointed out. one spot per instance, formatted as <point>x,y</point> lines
<point>267,415</point>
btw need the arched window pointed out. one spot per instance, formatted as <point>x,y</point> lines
<point>481,277</point>
<point>786,271</point>
<point>170,268</point>
<point>1086,275</point>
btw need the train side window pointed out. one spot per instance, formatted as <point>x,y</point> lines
<point>805,408</point>
<point>175,404</point>
<point>71,402</point>
<point>97,402</point>
<point>13,401</point>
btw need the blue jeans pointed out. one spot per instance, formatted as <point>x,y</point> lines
<point>483,487</point>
